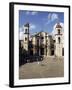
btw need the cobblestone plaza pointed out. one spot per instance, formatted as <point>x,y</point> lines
<point>48,68</point>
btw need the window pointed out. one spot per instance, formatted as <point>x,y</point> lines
<point>42,37</point>
<point>25,39</point>
<point>54,41</point>
<point>59,39</point>
<point>25,30</point>
<point>42,51</point>
<point>58,31</point>
<point>47,41</point>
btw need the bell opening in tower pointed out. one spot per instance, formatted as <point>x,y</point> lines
<point>59,40</point>
<point>58,31</point>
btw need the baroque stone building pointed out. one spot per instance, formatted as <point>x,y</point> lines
<point>42,43</point>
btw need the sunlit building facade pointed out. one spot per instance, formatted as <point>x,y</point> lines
<point>42,43</point>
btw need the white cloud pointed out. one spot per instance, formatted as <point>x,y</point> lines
<point>21,29</point>
<point>21,36</point>
<point>34,13</point>
<point>31,13</point>
<point>32,26</point>
<point>49,16</point>
<point>21,33</point>
<point>28,12</point>
<point>52,17</point>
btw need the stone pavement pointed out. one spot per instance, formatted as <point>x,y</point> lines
<point>48,68</point>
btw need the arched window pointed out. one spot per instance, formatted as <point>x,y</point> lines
<point>42,38</point>
<point>25,38</point>
<point>26,30</point>
<point>58,31</point>
<point>59,39</point>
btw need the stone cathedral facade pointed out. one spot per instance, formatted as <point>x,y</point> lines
<point>42,43</point>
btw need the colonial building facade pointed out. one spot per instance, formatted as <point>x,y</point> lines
<point>42,43</point>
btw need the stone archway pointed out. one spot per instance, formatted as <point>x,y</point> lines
<point>42,51</point>
<point>52,52</point>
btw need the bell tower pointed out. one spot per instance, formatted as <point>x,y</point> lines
<point>58,40</point>
<point>26,37</point>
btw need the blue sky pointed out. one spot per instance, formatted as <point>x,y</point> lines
<point>40,21</point>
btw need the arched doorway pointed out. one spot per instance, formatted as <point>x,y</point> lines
<point>52,52</point>
<point>31,52</point>
<point>42,51</point>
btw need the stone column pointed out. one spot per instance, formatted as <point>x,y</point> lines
<point>34,51</point>
<point>44,51</point>
<point>48,51</point>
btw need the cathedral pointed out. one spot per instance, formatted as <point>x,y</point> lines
<point>42,43</point>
